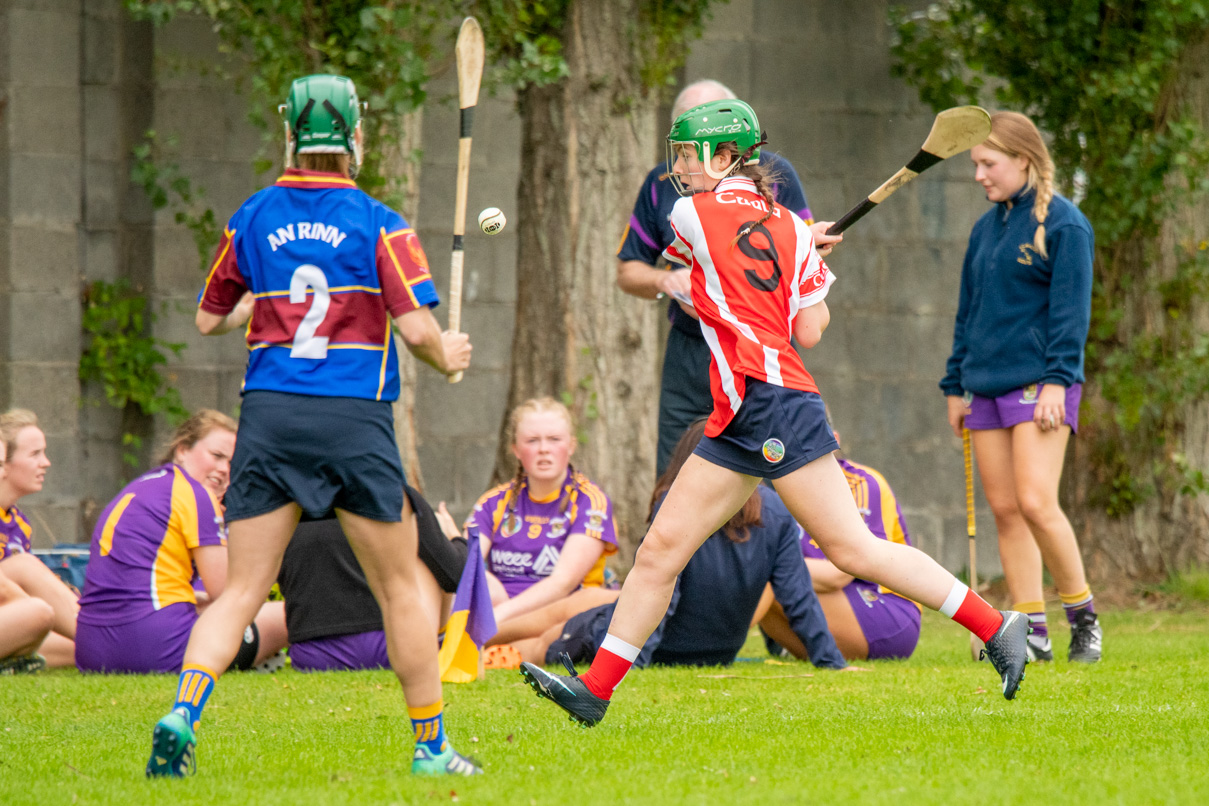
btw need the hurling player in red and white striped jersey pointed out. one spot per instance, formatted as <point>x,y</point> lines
<point>757,281</point>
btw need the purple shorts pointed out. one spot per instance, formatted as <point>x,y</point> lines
<point>890,623</point>
<point>362,650</point>
<point>1005,411</point>
<point>155,643</point>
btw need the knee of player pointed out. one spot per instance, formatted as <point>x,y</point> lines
<point>657,553</point>
<point>1037,506</point>
<point>42,615</point>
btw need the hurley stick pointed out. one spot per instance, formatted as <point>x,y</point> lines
<point>954,130</point>
<point>469,53</point>
<point>971,528</point>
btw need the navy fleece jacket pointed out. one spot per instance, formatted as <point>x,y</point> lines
<point>1022,318</point>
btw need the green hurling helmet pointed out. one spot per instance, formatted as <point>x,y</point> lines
<point>321,116</point>
<point>708,126</point>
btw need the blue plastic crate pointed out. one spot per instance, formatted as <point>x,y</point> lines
<point>68,561</point>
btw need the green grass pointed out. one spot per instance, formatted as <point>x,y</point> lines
<point>1133,729</point>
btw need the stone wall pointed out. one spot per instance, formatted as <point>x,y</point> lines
<point>83,84</point>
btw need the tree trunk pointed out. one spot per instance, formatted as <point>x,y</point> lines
<point>587,143</point>
<point>402,173</point>
<point>1169,530</point>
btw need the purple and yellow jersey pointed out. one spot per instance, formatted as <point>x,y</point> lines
<point>879,507</point>
<point>14,533</point>
<point>140,561</point>
<point>329,267</point>
<point>526,536</point>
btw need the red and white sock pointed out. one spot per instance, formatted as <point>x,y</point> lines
<point>972,612</point>
<point>613,660</point>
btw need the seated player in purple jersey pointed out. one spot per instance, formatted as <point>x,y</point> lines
<point>717,593</point>
<point>869,622</point>
<point>546,534</point>
<point>333,620</point>
<point>25,468</point>
<point>161,530</point>
<point>24,623</point>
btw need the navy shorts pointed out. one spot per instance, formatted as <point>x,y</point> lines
<point>775,432</point>
<point>322,453</point>
<point>582,635</point>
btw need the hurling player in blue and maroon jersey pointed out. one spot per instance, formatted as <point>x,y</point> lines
<point>758,281</point>
<point>324,271</point>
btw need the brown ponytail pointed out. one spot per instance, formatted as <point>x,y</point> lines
<point>1015,135</point>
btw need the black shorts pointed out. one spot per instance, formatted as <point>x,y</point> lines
<point>582,635</point>
<point>775,432</point>
<point>322,453</point>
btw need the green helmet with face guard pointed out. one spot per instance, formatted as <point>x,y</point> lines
<point>708,126</point>
<point>321,117</point>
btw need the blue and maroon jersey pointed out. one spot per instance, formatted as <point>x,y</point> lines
<point>14,533</point>
<point>329,267</point>
<point>527,536</point>
<point>879,508</point>
<point>140,559</point>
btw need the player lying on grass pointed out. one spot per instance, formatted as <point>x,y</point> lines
<point>139,602</point>
<point>333,619</point>
<point>546,533</point>
<point>868,621</point>
<point>25,469</point>
<point>716,594</point>
<point>757,281</point>
<point>328,270</point>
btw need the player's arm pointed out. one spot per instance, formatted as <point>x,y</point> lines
<point>211,562</point>
<point>213,324</point>
<point>445,351</point>
<point>809,324</point>
<point>644,280</point>
<point>579,554</point>
<point>825,577</point>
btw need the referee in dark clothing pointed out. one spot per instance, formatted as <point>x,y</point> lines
<point>684,394</point>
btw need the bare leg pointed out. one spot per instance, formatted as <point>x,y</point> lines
<point>818,497</point>
<point>702,498</point>
<point>533,650</point>
<point>841,621</point>
<point>432,598</point>
<point>254,550</point>
<point>270,625</point>
<point>387,553</point>
<point>1037,462</point>
<point>536,622</point>
<point>26,624</point>
<point>59,652</point>
<point>1018,552</point>
<point>32,575</point>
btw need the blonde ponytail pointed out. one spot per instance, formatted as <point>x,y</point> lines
<point>1015,135</point>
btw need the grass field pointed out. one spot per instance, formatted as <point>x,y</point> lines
<point>1132,730</point>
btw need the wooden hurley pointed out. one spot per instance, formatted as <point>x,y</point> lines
<point>971,528</point>
<point>469,53</point>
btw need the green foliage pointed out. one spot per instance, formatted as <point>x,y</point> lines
<point>1099,76</point>
<point>525,38</point>
<point>123,358</point>
<point>161,178</point>
<point>384,47</point>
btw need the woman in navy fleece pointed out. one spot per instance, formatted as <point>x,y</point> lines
<point>1016,372</point>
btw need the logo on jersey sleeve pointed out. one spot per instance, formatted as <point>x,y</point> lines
<point>416,251</point>
<point>774,450</point>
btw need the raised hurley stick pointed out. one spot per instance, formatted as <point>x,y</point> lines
<point>954,131</point>
<point>971,529</point>
<point>469,53</point>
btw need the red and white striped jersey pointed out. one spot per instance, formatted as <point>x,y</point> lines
<point>747,295</point>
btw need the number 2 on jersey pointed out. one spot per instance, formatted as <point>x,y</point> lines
<point>306,343</point>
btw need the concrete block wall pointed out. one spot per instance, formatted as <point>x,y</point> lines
<point>83,83</point>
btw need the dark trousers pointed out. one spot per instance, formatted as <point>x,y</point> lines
<point>684,394</point>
